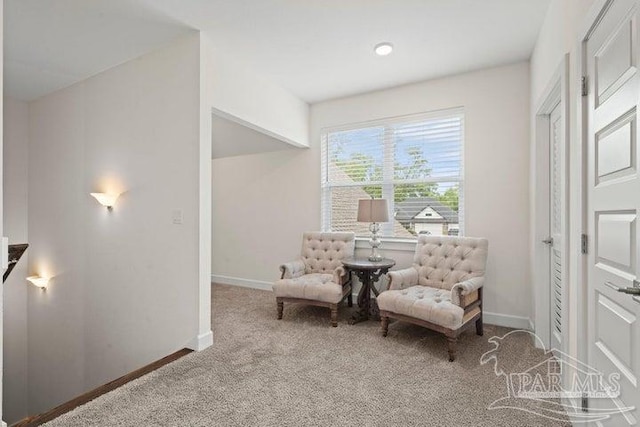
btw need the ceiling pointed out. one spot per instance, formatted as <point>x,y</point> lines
<point>317,49</point>
<point>51,44</point>
<point>230,138</point>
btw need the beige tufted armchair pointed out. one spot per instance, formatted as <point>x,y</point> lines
<point>442,290</point>
<point>317,277</point>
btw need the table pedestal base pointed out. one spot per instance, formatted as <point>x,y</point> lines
<point>368,307</point>
<point>362,314</point>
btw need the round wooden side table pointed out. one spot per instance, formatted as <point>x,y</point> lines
<point>368,272</point>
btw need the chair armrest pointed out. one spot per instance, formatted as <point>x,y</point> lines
<point>293,269</point>
<point>339,276</point>
<point>465,288</point>
<point>401,279</point>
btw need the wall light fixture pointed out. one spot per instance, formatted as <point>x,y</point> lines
<point>40,282</point>
<point>106,199</point>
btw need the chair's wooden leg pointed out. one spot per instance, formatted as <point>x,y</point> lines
<point>280,309</point>
<point>350,300</point>
<point>453,341</point>
<point>334,315</point>
<point>385,325</point>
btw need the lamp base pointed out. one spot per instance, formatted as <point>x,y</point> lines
<point>374,242</point>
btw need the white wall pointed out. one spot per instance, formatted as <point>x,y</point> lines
<point>245,95</point>
<point>259,214</point>
<point>125,284</point>
<point>1,198</point>
<point>558,36</point>
<point>16,140</point>
<point>204,337</point>
<point>561,35</point>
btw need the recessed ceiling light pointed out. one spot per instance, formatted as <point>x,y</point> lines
<point>383,49</point>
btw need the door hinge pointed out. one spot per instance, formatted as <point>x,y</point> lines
<point>584,244</point>
<point>585,85</point>
<point>584,403</point>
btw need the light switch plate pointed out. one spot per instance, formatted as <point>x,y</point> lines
<point>177,216</point>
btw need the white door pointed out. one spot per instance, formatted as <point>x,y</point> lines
<point>613,194</point>
<point>556,225</point>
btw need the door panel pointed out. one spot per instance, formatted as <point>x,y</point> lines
<point>615,62</point>
<point>615,150</point>
<point>613,205</point>
<point>615,240</point>
<point>613,317</point>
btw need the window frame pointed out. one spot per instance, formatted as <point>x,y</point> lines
<point>325,186</point>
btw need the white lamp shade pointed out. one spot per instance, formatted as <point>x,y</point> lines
<point>373,210</point>
<point>106,199</point>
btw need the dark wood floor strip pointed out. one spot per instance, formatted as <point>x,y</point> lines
<point>97,392</point>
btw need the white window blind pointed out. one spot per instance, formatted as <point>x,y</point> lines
<point>413,162</point>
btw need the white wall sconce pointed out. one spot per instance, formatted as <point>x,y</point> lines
<point>40,282</point>
<point>106,199</point>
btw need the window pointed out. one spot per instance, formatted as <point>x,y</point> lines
<point>414,162</point>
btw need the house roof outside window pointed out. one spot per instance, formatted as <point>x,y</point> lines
<point>425,210</point>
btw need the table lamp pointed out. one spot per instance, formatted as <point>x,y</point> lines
<point>374,211</point>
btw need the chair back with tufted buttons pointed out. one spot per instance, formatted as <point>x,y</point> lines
<point>443,261</point>
<point>324,252</point>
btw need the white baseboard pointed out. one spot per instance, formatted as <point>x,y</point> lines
<point>506,320</point>
<point>3,424</point>
<point>573,403</point>
<point>537,343</point>
<point>245,283</point>
<point>201,342</point>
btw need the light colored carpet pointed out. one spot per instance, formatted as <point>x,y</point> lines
<point>301,372</point>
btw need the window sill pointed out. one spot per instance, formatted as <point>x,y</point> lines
<point>388,244</point>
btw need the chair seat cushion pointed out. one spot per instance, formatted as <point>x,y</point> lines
<point>425,303</point>
<point>315,286</point>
